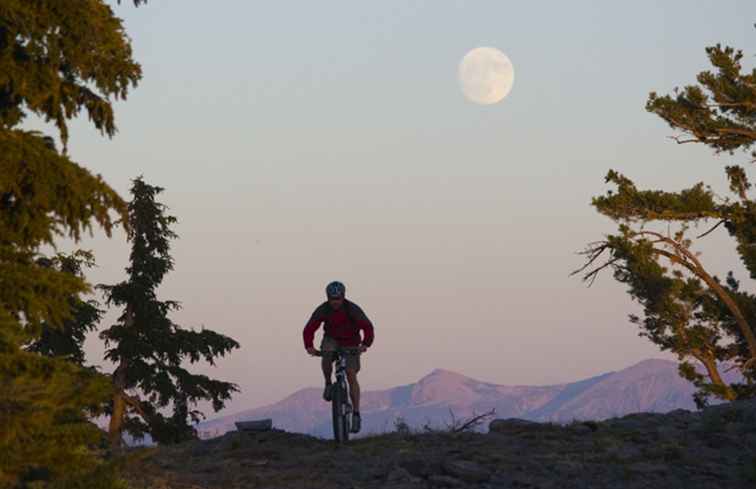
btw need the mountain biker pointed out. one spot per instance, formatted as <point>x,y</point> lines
<point>343,322</point>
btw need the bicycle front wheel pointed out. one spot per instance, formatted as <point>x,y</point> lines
<point>339,412</point>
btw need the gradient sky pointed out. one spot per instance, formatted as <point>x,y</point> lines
<point>302,142</point>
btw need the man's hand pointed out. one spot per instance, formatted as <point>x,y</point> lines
<point>363,348</point>
<point>312,351</point>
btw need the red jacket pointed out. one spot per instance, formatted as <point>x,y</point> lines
<point>343,325</point>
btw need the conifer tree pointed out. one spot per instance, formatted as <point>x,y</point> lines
<point>148,348</point>
<point>686,309</point>
<point>67,341</point>
<point>57,58</point>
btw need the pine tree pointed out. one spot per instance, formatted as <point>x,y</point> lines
<point>67,341</point>
<point>686,309</point>
<point>147,348</point>
<point>57,57</point>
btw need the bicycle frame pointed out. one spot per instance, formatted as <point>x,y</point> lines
<point>340,402</point>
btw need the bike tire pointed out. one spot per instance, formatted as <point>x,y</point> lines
<point>340,434</point>
<point>346,410</point>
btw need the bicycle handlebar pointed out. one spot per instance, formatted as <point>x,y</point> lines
<point>350,350</point>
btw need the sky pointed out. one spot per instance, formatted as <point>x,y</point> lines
<point>304,142</point>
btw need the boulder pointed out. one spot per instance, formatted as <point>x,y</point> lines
<point>466,471</point>
<point>438,480</point>
<point>511,425</point>
<point>255,425</point>
<point>400,478</point>
<point>582,428</point>
<point>399,474</point>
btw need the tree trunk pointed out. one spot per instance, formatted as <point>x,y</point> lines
<point>745,328</point>
<point>115,428</point>
<point>704,356</point>
<point>116,421</point>
<point>697,268</point>
<point>711,367</point>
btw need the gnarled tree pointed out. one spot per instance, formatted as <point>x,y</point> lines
<point>688,310</point>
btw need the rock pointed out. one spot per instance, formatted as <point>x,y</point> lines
<point>399,475</point>
<point>418,484</point>
<point>400,478</point>
<point>750,440</point>
<point>734,409</point>
<point>439,480</point>
<point>669,432</point>
<point>467,471</point>
<point>201,449</point>
<point>734,429</point>
<point>502,481</point>
<point>582,428</point>
<point>417,466</point>
<point>649,468</point>
<point>255,425</point>
<point>212,469</point>
<point>636,422</point>
<point>511,425</point>
<point>678,413</point>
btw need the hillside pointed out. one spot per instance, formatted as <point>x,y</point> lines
<point>715,448</point>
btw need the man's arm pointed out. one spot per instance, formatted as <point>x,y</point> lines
<point>367,332</point>
<point>308,334</point>
<point>365,326</point>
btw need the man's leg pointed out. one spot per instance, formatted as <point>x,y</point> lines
<point>326,348</point>
<point>327,365</point>
<point>353,366</point>
<point>354,389</point>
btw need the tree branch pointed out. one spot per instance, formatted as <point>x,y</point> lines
<point>749,133</point>
<point>594,251</point>
<point>747,105</point>
<point>679,140</point>
<point>708,136</point>
<point>474,421</point>
<point>712,229</point>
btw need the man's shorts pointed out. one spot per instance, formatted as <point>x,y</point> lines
<point>329,345</point>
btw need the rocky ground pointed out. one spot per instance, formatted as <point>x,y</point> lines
<point>715,448</point>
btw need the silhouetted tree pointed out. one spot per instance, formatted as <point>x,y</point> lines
<point>67,340</point>
<point>57,58</point>
<point>147,347</point>
<point>686,309</point>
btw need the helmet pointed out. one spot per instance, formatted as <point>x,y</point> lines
<point>335,289</point>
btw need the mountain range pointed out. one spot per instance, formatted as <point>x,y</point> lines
<point>649,386</point>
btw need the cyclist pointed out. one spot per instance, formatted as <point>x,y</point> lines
<point>343,322</point>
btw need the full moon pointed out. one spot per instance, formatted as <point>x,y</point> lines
<point>486,75</point>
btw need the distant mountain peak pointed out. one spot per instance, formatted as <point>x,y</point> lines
<point>443,386</point>
<point>653,366</point>
<point>440,374</point>
<point>653,363</point>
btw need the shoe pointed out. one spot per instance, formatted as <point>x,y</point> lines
<point>327,392</point>
<point>356,423</point>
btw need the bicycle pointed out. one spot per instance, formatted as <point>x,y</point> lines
<point>341,407</point>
